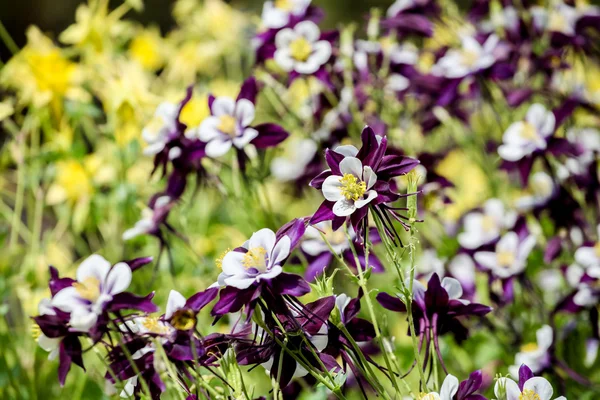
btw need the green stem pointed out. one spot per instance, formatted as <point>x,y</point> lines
<point>8,40</point>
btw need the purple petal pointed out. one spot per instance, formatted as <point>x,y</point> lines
<point>290,284</point>
<point>126,300</point>
<point>137,263</point>
<point>232,299</point>
<point>269,135</point>
<point>525,374</point>
<point>294,230</point>
<point>391,303</point>
<point>317,181</point>
<point>198,301</point>
<point>393,166</point>
<point>333,160</point>
<point>323,213</point>
<point>469,386</point>
<point>317,266</point>
<point>249,90</point>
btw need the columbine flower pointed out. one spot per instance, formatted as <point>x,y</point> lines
<point>484,227</point>
<point>297,156</point>
<point>535,354</point>
<point>181,313</point>
<point>510,257</point>
<point>96,285</point>
<point>300,50</point>
<point>258,259</point>
<point>277,14</point>
<point>352,189</point>
<point>151,218</point>
<point>541,189</point>
<point>472,58</point>
<point>452,390</point>
<point>158,132</point>
<point>357,178</point>
<point>528,388</point>
<point>49,344</point>
<point>229,124</point>
<point>523,138</point>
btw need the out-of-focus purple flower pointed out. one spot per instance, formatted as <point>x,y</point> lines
<point>472,58</point>
<point>536,355</point>
<point>484,227</point>
<point>277,14</point>
<point>510,257</point>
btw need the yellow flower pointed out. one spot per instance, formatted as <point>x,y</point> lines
<point>146,48</point>
<point>195,111</point>
<point>72,183</point>
<point>42,74</point>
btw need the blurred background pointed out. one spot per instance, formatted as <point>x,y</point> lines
<point>53,16</point>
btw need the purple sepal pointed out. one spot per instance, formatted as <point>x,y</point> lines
<point>294,230</point>
<point>525,374</point>
<point>249,90</point>
<point>290,284</point>
<point>56,284</point>
<point>198,301</point>
<point>126,300</point>
<point>137,263</point>
<point>269,135</point>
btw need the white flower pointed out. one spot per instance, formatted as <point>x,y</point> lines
<point>483,227</point>
<point>510,257</point>
<point>261,260</point>
<point>534,355</point>
<point>471,58</point>
<point>157,132</point>
<point>536,388</point>
<point>430,263</point>
<point>228,125</point>
<point>276,14</point>
<point>96,285</point>
<point>352,190</point>
<point>589,257</point>
<point>313,244</point>
<point>447,391</point>
<point>147,223</point>
<point>541,187</point>
<point>299,48</point>
<point>524,137</point>
<point>293,163</point>
<point>588,140</point>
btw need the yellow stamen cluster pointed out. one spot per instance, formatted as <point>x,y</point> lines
<point>36,332</point>
<point>469,57</point>
<point>152,324</point>
<point>529,395</point>
<point>352,188</point>
<point>488,223</point>
<point>219,260</point>
<point>227,125</point>
<point>528,131</point>
<point>89,289</point>
<point>183,320</point>
<point>285,5</point>
<point>529,347</point>
<point>300,49</point>
<point>505,258</point>
<point>255,258</point>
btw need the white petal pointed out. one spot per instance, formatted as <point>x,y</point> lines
<point>174,303</point>
<point>540,386</point>
<point>449,387</point>
<point>512,153</point>
<point>586,256</point>
<point>208,130</point>
<point>281,250</point>
<point>95,266</point>
<point>264,238</point>
<point>320,339</point>
<point>347,150</point>
<point>310,66</point>
<point>273,17</point>
<point>332,188</point>
<point>244,112</point>
<point>486,259</point>
<point>453,287</point>
<point>511,387</point>
<point>217,147</point>
<point>545,337</point>
<point>526,247</point>
<point>344,207</point>
<point>369,177</point>
<point>83,319</point>
<point>321,52</point>
<point>309,30</point>
<point>270,274</point>
<point>509,242</point>
<point>284,37</point>
<point>67,299</point>
<point>239,282</point>
<point>284,59</point>
<point>352,165</point>
<point>232,263</point>
<point>223,106</point>
<point>371,195</point>
<point>118,278</point>
<point>247,136</point>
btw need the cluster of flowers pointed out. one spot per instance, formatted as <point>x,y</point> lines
<point>420,72</point>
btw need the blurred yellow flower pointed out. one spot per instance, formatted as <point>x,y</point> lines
<point>147,49</point>
<point>42,74</point>
<point>72,182</point>
<point>195,111</point>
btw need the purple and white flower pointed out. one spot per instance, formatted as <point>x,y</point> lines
<point>300,50</point>
<point>541,189</point>
<point>158,132</point>
<point>229,125</point>
<point>529,387</point>
<point>96,285</point>
<point>258,259</point>
<point>510,257</point>
<point>277,14</point>
<point>151,218</point>
<point>353,189</point>
<point>522,138</point>
<point>482,227</point>
<point>473,57</point>
<point>535,354</point>
<point>292,164</point>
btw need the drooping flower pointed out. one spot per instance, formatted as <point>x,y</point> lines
<point>510,257</point>
<point>300,49</point>
<point>529,387</point>
<point>486,226</point>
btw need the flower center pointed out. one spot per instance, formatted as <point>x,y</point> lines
<point>183,320</point>
<point>529,395</point>
<point>256,258</point>
<point>352,188</point>
<point>152,324</point>
<point>88,289</point>
<point>488,223</point>
<point>227,125</point>
<point>529,348</point>
<point>505,258</point>
<point>469,57</point>
<point>528,131</point>
<point>285,5</point>
<point>300,49</point>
